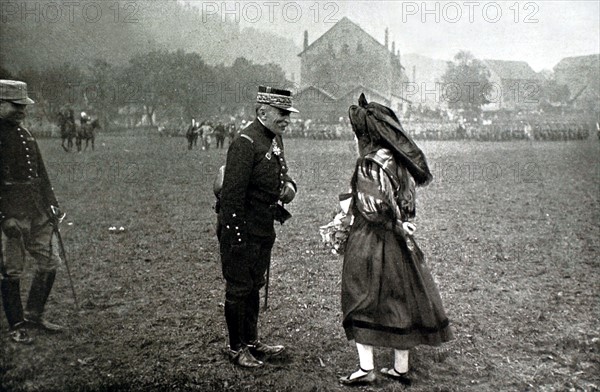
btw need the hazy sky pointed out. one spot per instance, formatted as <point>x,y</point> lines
<point>538,32</point>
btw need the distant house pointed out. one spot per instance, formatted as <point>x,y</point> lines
<point>515,85</point>
<point>581,74</point>
<point>393,101</point>
<point>350,98</point>
<point>316,103</point>
<point>346,61</point>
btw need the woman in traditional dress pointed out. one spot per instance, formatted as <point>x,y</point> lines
<point>389,298</point>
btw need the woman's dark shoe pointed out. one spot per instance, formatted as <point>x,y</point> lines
<point>364,377</point>
<point>396,375</point>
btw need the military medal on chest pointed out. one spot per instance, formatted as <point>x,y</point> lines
<point>274,148</point>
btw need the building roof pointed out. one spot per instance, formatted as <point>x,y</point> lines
<point>344,22</point>
<point>582,75</point>
<point>511,69</point>
<point>590,60</point>
<point>369,92</point>
<point>401,98</point>
<point>300,92</point>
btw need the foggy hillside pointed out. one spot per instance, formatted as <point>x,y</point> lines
<point>45,33</point>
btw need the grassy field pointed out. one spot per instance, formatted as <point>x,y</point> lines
<point>510,231</point>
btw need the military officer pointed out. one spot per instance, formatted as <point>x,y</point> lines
<point>255,186</point>
<point>28,215</point>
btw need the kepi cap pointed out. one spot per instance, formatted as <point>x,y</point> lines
<point>14,91</point>
<point>281,99</point>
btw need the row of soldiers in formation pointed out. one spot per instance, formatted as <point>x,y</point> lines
<point>439,130</point>
<point>217,131</point>
<point>504,131</point>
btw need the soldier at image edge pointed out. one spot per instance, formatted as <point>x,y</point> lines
<point>29,217</point>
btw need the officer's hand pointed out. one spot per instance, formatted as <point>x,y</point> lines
<point>58,214</point>
<point>288,192</point>
<point>11,228</point>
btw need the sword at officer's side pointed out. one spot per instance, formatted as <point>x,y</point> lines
<point>267,288</point>
<point>63,256</point>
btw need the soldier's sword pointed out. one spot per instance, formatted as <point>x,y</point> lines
<point>63,255</point>
<point>267,288</point>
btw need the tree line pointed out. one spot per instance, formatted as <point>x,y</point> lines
<point>167,87</point>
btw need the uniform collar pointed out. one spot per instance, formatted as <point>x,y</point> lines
<point>264,130</point>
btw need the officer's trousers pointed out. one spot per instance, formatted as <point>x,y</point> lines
<point>244,272</point>
<point>33,235</point>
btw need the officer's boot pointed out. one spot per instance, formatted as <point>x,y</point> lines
<point>251,317</point>
<point>238,351</point>
<point>11,299</point>
<point>257,348</point>
<point>41,285</point>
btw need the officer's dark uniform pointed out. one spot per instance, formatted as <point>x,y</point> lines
<point>26,189</point>
<point>255,174</point>
<point>26,197</point>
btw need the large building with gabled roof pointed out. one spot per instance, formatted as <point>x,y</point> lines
<point>581,74</point>
<point>515,85</point>
<point>346,59</point>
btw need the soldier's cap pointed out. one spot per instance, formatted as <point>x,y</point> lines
<point>281,99</point>
<point>14,91</point>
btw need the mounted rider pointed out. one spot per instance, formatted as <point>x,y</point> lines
<point>84,118</point>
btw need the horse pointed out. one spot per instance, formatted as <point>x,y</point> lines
<point>68,131</point>
<point>87,131</point>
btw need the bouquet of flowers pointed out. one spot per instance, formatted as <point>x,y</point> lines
<point>335,233</point>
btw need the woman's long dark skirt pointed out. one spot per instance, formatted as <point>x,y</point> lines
<point>389,298</point>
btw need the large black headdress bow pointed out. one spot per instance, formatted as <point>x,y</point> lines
<point>372,117</point>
